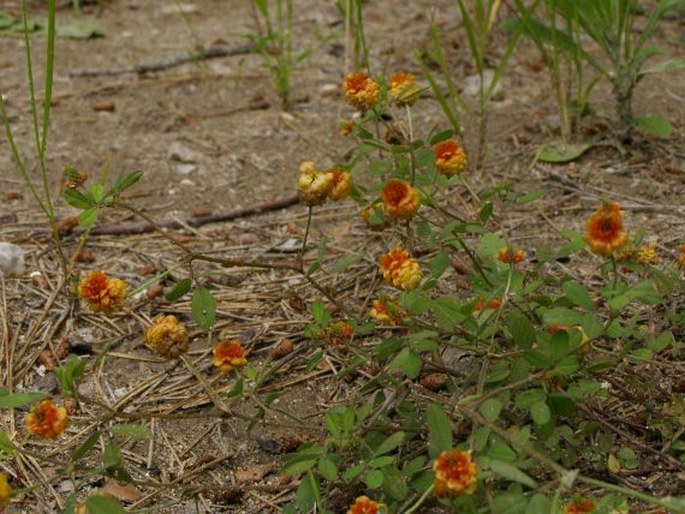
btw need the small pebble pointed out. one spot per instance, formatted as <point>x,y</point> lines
<point>11,259</point>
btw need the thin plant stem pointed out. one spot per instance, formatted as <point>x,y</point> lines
<point>306,231</point>
<point>420,501</point>
<point>468,188</point>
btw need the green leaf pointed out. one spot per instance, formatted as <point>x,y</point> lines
<point>561,152</point>
<point>203,308</point>
<point>111,457</point>
<point>374,479</point>
<point>79,29</point>
<point>236,390</point>
<point>655,125</point>
<point>578,294</point>
<point>320,314</point>
<point>88,217</point>
<point>486,212</point>
<point>561,316</point>
<point>131,430</point>
<point>448,312</point>
<point>539,504</point>
<point>510,472</point>
<point>99,504</point>
<point>82,450</point>
<point>439,264</point>
<point>181,288</point>
<point>14,400</point>
<point>307,493</point>
<point>490,409</point>
<point>409,362</point>
<point>127,181</point>
<point>530,197</point>
<point>77,199</point>
<point>522,332</point>
<point>72,500</point>
<point>6,445</point>
<point>667,67</point>
<point>97,192</point>
<point>526,399</point>
<point>395,484</point>
<point>540,413</point>
<point>645,292</point>
<point>344,263</point>
<point>439,430</point>
<point>328,469</point>
<point>390,443</point>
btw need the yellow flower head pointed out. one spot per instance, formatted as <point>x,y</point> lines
<point>364,505</point>
<point>450,158</point>
<point>5,491</point>
<point>387,311</point>
<point>647,254</point>
<point>605,232</point>
<point>229,355</point>
<point>403,89</point>
<point>400,270</point>
<point>400,200</point>
<point>342,181</point>
<point>167,336</point>
<point>46,420</point>
<point>455,474</point>
<point>508,255</point>
<point>102,293</point>
<point>361,91</point>
<point>314,186</point>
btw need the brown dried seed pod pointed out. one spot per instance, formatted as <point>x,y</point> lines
<point>285,347</point>
<point>155,292</point>
<point>167,336</point>
<point>434,381</point>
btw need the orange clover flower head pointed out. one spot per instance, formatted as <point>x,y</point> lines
<point>450,158</point>
<point>229,355</point>
<point>167,336</point>
<point>5,491</point>
<point>403,89</point>
<point>681,257</point>
<point>342,181</point>
<point>46,420</point>
<point>361,91</point>
<point>364,505</point>
<point>400,200</point>
<point>313,186</point>
<point>102,293</point>
<point>455,474</point>
<point>400,270</point>
<point>508,255</point>
<point>387,311</point>
<point>605,232</point>
<point>338,334</point>
<point>491,305</point>
<point>582,506</point>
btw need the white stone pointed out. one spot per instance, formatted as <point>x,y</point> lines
<point>11,259</point>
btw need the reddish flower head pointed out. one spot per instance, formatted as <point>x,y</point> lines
<point>361,91</point>
<point>582,506</point>
<point>342,181</point>
<point>364,505</point>
<point>450,158</point>
<point>508,255</point>
<point>681,257</point>
<point>455,474</point>
<point>400,200</point>
<point>102,293</point>
<point>400,270</point>
<point>605,232</point>
<point>229,355</point>
<point>388,311</point>
<point>46,420</point>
